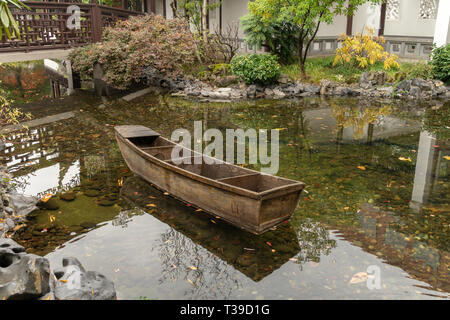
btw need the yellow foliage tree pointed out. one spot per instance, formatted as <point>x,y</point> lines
<point>365,50</point>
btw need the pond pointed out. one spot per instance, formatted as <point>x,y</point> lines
<point>377,195</point>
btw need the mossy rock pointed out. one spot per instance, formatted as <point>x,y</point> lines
<point>68,196</point>
<point>91,193</point>
<point>106,202</point>
<point>50,204</point>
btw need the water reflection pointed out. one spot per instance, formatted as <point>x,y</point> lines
<point>377,193</point>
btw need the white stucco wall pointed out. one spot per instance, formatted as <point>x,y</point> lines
<point>409,23</point>
<point>232,11</point>
<point>338,26</point>
<point>365,16</point>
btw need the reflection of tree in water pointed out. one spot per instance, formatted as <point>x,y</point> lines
<point>359,116</point>
<point>208,275</point>
<point>212,277</point>
<point>314,241</point>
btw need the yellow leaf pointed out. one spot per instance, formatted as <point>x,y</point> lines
<point>193,268</point>
<point>151,205</point>
<point>63,281</point>
<point>447,157</point>
<point>362,168</point>
<point>405,159</point>
<point>46,197</point>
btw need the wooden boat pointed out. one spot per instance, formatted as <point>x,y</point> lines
<point>245,198</point>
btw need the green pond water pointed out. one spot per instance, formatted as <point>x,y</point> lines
<point>377,194</point>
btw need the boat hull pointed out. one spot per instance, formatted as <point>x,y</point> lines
<point>255,214</point>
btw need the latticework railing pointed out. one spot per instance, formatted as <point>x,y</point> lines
<point>45,26</point>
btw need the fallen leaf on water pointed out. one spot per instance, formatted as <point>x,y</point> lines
<point>18,227</point>
<point>405,159</point>
<point>46,197</point>
<point>362,168</point>
<point>359,277</point>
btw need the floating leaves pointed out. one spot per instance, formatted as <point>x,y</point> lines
<point>359,277</point>
<point>46,197</point>
<point>362,168</point>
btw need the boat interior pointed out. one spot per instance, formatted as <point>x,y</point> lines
<point>208,167</point>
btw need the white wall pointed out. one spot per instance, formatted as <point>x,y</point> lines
<point>338,26</point>
<point>409,23</point>
<point>232,11</point>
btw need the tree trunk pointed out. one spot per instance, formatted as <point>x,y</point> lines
<point>204,22</point>
<point>301,61</point>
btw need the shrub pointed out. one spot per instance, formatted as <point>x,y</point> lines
<point>440,63</point>
<point>256,68</point>
<point>419,70</point>
<point>135,44</point>
<point>9,115</point>
<point>280,37</point>
<point>364,50</point>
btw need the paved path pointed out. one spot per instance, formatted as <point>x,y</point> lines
<point>33,55</point>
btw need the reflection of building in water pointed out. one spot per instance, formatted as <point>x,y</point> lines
<point>428,168</point>
<point>36,149</point>
<point>380,237</point>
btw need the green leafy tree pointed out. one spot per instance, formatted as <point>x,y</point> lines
<point>305,16</point>
<point>7,22</point>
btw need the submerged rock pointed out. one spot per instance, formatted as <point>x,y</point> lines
<point>75,283</point>
<point>91,193</point>
<point>50,204</point>
<point>68,196</point>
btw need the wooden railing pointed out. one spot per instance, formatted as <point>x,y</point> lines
<point>44,26</point>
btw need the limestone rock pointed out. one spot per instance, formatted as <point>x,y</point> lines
<point>74,283</point>
<point>22,275</point>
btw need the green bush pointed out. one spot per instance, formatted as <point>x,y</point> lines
<point>280,37</point>
<point>419,70</point>
<point>256,68</point>
<point>440,62</point>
